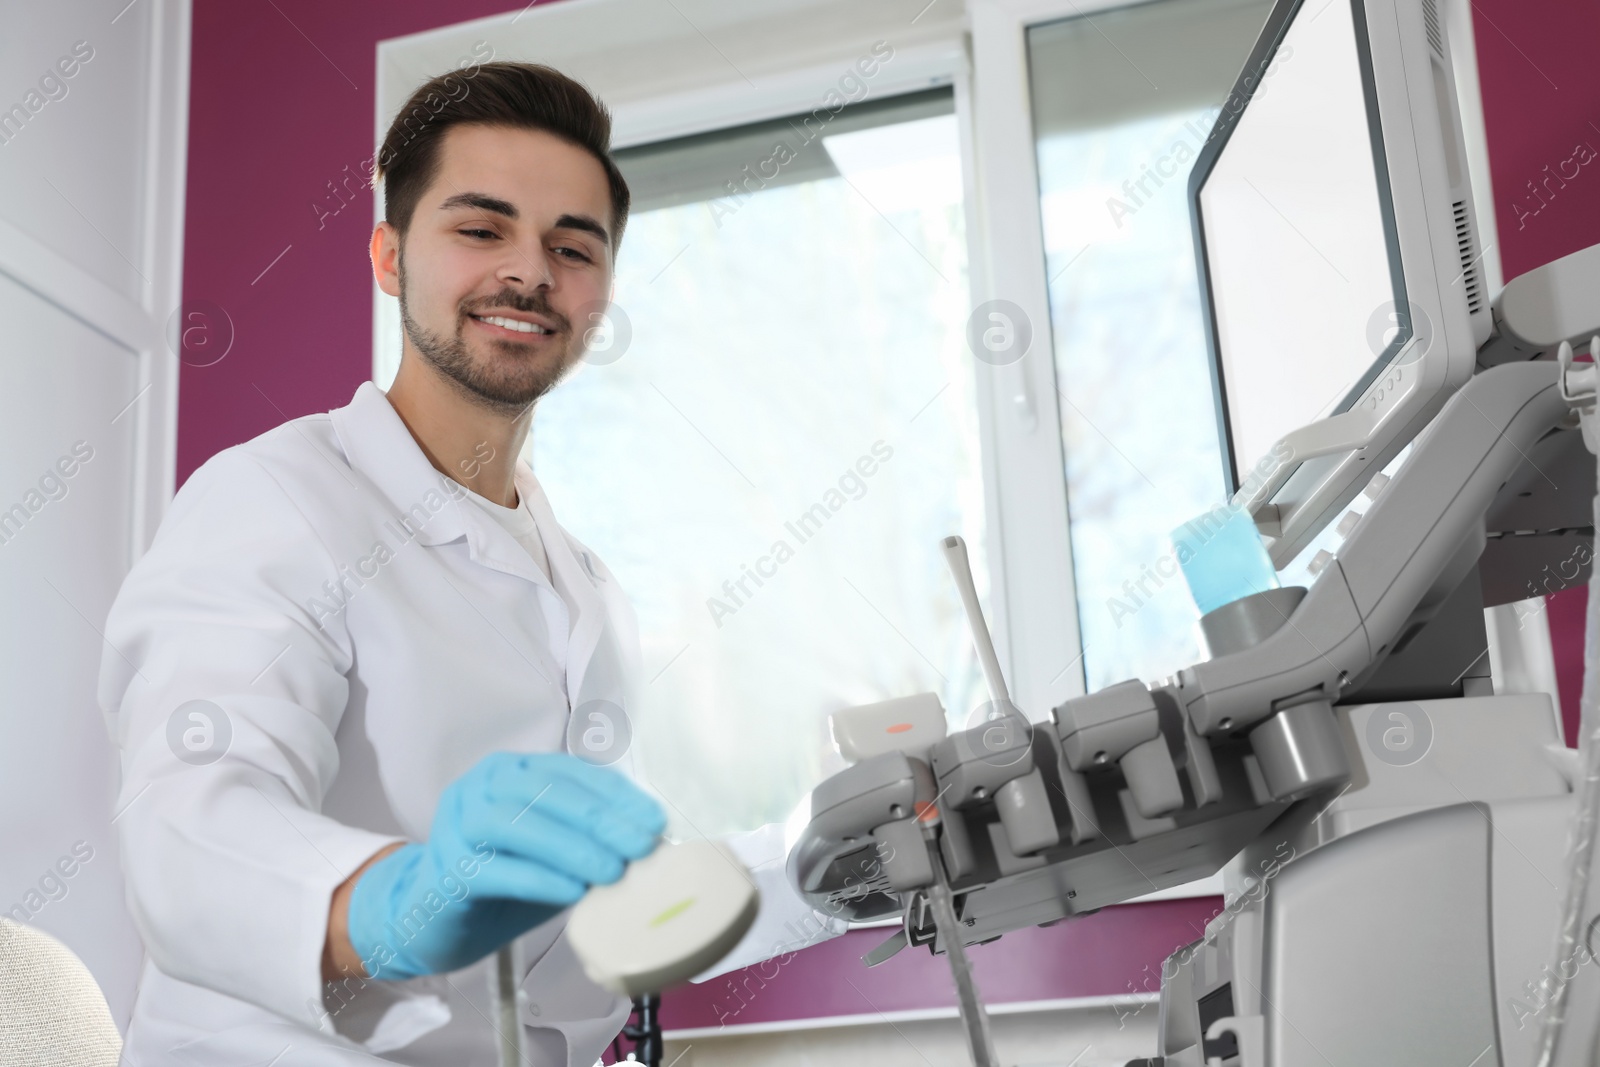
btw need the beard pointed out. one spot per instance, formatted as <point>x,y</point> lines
<point>514,375</point>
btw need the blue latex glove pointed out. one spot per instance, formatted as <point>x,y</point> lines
<point>515,840</point>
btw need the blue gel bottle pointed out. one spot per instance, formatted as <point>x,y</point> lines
<point>1222,557</point>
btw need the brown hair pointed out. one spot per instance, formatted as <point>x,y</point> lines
<point>526,96</point>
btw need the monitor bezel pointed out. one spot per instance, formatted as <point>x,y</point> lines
<point>1234,107</point>
<point>1311,474</point>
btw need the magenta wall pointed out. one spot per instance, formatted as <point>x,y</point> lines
<point>1114,951</point>
<point>1540,101</point>
<point>282,104</point>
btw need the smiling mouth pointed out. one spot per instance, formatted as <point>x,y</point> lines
<point>512,325</point>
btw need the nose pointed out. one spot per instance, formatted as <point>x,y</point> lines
<point>527,269</point>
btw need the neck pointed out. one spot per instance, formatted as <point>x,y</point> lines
<point>463,438</point>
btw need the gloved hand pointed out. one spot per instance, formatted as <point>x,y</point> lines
<point>515,840</point>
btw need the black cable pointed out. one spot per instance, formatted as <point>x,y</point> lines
<point>646,1033</point>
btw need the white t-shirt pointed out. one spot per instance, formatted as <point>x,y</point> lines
<point>518,522</point>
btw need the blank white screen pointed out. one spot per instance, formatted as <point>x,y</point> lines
<point>1296,246</point>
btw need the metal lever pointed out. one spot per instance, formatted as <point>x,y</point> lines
<point>887,950</point>
<point>955,554</point>
<point>1023,806</point>
<point>503,989</point>
<point>974,1020</point>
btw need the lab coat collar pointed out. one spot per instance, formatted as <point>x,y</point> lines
<point>575,581</point>
<point>379,445</point>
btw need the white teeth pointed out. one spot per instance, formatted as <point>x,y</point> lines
<point>511,324</point>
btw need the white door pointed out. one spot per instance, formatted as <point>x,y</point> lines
<point>93,127</point>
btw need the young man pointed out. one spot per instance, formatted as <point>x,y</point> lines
<point>343,677</point>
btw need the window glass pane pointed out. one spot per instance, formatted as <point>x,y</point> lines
<point>770,463</point>
<point>1122,104</point>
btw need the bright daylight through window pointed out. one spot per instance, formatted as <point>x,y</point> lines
<point>769,451</point>
<point>1118,127</point>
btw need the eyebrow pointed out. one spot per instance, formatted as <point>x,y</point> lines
<point>494,205</point>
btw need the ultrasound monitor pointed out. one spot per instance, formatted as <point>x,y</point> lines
<point>1338,256</point>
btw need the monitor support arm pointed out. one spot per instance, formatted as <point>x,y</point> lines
<point>1426,522</point>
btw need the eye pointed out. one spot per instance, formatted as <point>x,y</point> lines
<point>575,252</point>
<point>474,232</point>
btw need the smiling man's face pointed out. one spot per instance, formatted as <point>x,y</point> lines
<point>508,255</point>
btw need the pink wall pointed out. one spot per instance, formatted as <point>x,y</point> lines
<point>1541,101</point>
<point>1113,951</point>
<point>282,104</point>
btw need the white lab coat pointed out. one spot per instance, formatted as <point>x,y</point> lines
<point>368,635</point>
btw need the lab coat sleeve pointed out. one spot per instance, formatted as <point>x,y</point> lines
<point>229,865</point>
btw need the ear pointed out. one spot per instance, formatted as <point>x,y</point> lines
<point>385,252</point>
